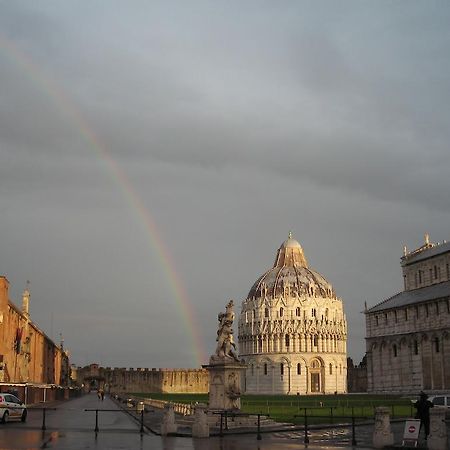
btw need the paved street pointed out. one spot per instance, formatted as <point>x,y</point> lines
<point>71,427</point>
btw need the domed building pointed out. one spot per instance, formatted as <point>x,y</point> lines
<point>292,330</point>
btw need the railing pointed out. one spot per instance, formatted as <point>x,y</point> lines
<point>180,408</point>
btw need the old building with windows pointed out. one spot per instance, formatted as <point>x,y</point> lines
<point>29,359</point>
<point>292,330</point>
<point>407,335</point>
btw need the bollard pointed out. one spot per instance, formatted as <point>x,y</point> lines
<point>43,428</point>
<point>382,435</point>
<point>437,439</point>
<point>306,441</point>
<point>142,421</point>
<point>258,435</point>
<point>353,430</point>
<point>96,421</point>
<point>200,427</point>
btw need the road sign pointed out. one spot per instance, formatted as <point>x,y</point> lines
<point>411,432</point>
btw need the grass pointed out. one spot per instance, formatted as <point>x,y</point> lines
<point>284,408</point>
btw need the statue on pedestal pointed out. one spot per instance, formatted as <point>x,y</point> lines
<point>225,370</point>
<point>226,347</point>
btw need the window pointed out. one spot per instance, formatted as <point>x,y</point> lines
<point>331,369</point>
<point>297,312</point>
<point>395,316</point>
<point>417,311</point>
<point>313,312</point>
<point>266,312</point>
<point>420,277</point>
<point>265,368</point>
<point>281,369</point>
<point>376,320</point>
<point>385,317</point>
<point>416,348</point>
<point>281,312</point>
<point>287,340</point>
<point>406,314</point>
<point>394,349</point>
<point>315,341</point>
<point>431,275</point>
<point>437,308</point>
<point>436,345</point>
<point>439,401</point>
<point>299,369</point>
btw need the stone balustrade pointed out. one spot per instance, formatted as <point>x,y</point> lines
<point>179,408</point>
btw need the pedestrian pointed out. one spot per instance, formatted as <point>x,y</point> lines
<point>102,393</point>
<point>99,394</point>
<point>423,406</point>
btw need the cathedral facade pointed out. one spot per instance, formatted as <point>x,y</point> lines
<point>408,334</point>
<point>292,330</point>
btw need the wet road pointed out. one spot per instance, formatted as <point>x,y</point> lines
<point>71,427</point>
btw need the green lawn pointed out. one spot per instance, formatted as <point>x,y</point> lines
<point>284,408</point>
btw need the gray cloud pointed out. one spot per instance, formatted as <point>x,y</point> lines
<point>232,124</point>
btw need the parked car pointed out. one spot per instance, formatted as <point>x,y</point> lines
<point>440,400</point>
<point>11,408</point>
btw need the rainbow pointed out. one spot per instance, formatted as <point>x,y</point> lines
<point>68,109</point>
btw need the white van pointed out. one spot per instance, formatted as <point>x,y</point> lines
<point>440,400</point>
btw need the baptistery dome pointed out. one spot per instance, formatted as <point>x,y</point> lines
<point>291,274</point>
<point>292,330</point>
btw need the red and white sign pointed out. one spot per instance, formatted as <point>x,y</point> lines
<point>412,428</point>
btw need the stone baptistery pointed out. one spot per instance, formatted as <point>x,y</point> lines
<point>292,330</point>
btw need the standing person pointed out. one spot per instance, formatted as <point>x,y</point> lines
<point>423,406</point>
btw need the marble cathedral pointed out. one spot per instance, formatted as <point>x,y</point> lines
<point>292,330</point>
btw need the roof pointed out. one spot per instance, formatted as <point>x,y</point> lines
<point>419,255</point>
<point>428,293</point>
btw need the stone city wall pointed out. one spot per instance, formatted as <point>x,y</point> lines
<point>193,381</point>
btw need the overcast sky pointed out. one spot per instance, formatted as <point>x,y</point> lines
<point>230,124</point>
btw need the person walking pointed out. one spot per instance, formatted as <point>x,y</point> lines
<point>423,406</point>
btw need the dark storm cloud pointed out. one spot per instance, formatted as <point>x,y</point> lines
<point>233,123</point>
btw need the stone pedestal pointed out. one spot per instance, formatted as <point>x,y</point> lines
<point>225,383</point>
<point>382,435</point>
<point>200,427</point>
<point>437,439</point>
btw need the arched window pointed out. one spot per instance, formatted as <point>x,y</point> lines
<point>287,340</point>
<point>315,341</point>
<point>416,348</point>
<point>281,369</point>
<point>315,364</point>
<point>297,312</point>
<point>331,369</point>
<point>313,312</point>
<point>436,345</point>
<point>281,312</point>
<point>394,349</point>
<point>299,369</point>
<point>266,312</point>
<point>265,368</point>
